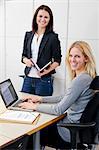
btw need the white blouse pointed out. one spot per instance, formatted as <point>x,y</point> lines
<point>35,49</point>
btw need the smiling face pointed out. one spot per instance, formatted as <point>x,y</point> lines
<point>77,60</point>
<point>42,19</point>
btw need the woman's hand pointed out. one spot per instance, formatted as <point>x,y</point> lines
<point>44,72</point>
<point>28,62</point>
<point>32,98</point>
<point>28,105</point>
<point>50,68</point>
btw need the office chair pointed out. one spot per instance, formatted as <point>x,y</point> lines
<point>88,128</point>
<point>22,76</point>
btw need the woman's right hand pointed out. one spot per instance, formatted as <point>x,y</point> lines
<point>28,62</point>
<point>32,98</point>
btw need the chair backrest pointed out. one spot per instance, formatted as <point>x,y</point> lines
<point>90,114</point>
<point>95,83</point>
<point>91,109</point>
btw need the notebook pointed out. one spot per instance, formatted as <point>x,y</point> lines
<point>44,67</point>
<point>10,96</point>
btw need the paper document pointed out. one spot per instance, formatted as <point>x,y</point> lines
<point>37,67</point>
<point>19,116</point>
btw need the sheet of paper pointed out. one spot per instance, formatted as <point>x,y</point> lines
<point>19,116</point>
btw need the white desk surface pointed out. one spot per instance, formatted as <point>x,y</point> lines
<point>11,131</point>
<point>4,139</point>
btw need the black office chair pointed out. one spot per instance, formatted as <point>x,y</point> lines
<point>22,76</point>
<point>88,128</point>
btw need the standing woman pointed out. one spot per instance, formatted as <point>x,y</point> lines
<point>41,45</point>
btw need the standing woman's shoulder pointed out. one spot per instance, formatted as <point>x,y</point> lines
<point>28,33</point>
<point>54,36</point>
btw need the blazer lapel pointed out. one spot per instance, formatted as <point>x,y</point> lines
<point>43,43</point>
<point>29,43</point>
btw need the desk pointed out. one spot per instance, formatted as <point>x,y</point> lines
<point>9,132</point>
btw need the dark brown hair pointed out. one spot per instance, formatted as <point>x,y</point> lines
<point>50,24</point>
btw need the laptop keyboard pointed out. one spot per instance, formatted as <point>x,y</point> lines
<point>18,102</point>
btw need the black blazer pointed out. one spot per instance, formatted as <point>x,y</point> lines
<point>49,49</point>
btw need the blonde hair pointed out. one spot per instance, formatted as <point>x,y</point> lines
<point>90,66</point>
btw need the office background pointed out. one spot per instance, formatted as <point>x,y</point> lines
<point>73,20</point>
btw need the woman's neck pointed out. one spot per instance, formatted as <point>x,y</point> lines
<point>79,72</point>
<point>40,31</point>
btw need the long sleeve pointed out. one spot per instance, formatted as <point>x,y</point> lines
<point>27,51</point>
<point>52,99</point>
<point>74,100</point>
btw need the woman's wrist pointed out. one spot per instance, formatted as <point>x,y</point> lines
<point>40,99</point>
<point>25,59</point>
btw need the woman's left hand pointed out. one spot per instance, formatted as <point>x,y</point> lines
<point>44,72</point>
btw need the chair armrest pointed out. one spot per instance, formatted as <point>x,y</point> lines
<point>74,129</point>
<point>77,125</point>
<point>22,76</point>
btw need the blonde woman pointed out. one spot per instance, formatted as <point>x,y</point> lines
<point>82,70</point>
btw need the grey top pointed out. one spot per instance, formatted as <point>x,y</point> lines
<point>73,101</point>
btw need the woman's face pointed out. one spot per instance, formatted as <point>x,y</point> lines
<point>77,60</point>
<point>42,19</point>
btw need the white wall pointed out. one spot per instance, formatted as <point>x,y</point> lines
<point>83,24</point>
<point>73,20</point>
<point>17,19</point>
<point>2,41</point>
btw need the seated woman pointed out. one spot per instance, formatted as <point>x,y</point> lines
<point>82,70</point>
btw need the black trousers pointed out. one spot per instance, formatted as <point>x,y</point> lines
<point>49,136</point>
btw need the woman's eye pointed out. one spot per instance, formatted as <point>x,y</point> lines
<point>46,17</point>
<point>70,55</point>
<point>77,56</point>
<point>40,16</point>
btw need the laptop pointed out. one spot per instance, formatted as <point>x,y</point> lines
<point>9,96</point>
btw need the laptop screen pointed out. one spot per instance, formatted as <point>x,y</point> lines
<point>8,92</point>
